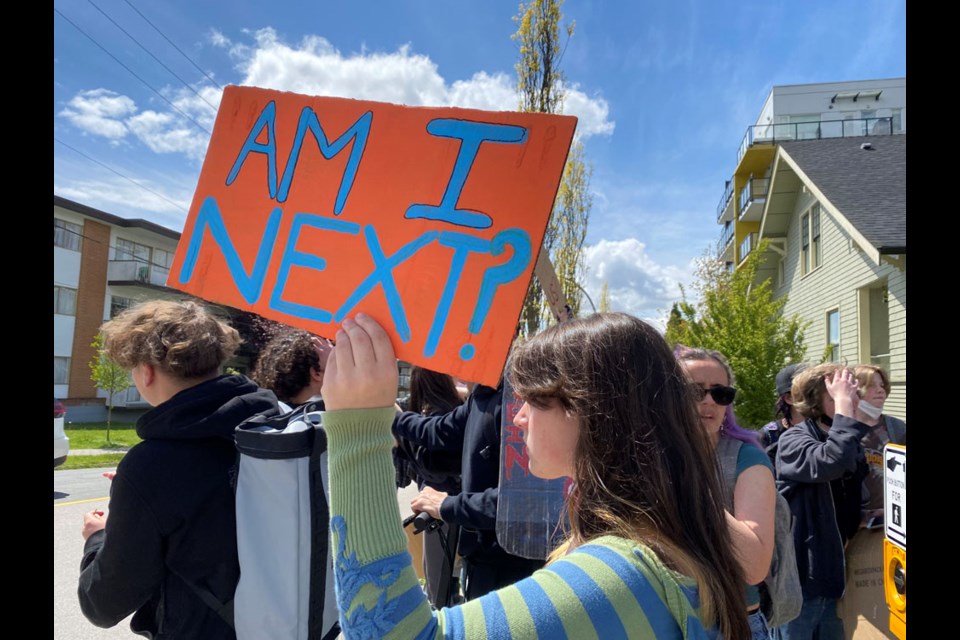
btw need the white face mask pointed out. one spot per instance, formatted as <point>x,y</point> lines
<point>870,410</point>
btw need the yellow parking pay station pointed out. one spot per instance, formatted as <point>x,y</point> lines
<point>895,533</point>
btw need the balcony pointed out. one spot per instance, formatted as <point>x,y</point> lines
<point>724,207</point>
<point>726,239</point>
<point>136,271</point>
<point>748,244</point>
<point>752,198</point>
<point>853,128</point>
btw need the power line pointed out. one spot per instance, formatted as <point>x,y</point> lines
<point>160,195</point>
<point>177,109</point>
<point>209,77</point>
<point>137,42</point>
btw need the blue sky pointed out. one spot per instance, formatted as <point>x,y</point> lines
<point>663,91</point>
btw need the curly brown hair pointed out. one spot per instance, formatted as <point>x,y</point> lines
<point>643,467</point>
<point>181,338</point>
<point>284,363</point>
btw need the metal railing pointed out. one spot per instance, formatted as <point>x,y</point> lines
<point>754,189</point>
<point>748,244</point>
<point>725,199</point>
<point>136,271</point>
<point>726,236</point>
<point>852,128</point>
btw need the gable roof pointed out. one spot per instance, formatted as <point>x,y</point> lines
<point>869,188</point>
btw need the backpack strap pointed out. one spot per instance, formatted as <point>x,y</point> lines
<point>728,450</point>
<point>224,610</point>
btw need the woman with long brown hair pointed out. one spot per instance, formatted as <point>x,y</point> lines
<point>605,402</point>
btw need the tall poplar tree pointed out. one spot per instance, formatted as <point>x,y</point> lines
<point>540,89</point>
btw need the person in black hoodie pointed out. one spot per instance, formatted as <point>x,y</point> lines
<point>473,431</point>
<point>167,553</point>
<point>820,468</point>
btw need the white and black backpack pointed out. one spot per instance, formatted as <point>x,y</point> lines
<point>286,588</point>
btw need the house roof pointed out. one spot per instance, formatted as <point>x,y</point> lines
<point>59,201</point>
<point>868,187</point>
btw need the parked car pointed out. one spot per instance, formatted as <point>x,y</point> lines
<point>61,443</point>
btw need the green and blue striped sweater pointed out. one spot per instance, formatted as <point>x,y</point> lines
<point>609,588</point>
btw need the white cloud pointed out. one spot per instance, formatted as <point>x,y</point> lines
<point>593,113</point>
<point>217,39</point>
<point>164,133</point>
<point>637,284</point>
<point>100,112</point>
<point>121,197</point>
<point>316,67</point>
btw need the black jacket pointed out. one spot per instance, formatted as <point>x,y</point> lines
<point>473,428</point>
<point>171,517</point>
<point>820,474</point>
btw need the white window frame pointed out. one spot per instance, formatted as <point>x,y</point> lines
<point>63,370</point>
<point>67,235</point>
<point>834,347</point>
<point>811,239</point>
<point>64,301</point>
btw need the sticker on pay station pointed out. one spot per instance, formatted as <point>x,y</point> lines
<point>895,494</point>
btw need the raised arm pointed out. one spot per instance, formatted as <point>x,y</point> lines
<point>602,590</point>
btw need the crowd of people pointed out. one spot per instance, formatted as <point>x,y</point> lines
<point>666,537</point>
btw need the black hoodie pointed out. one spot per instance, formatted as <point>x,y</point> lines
<point>171,518</point>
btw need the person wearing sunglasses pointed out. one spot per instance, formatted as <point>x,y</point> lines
<point>754,490</point>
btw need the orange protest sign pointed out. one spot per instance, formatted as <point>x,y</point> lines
<point>309,210</point>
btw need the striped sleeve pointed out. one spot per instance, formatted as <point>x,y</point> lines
<point>610,588</point>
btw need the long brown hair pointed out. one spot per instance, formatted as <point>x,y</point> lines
<point>432,392</point>
<point>644,468</point>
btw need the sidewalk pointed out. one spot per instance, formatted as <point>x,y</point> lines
<point>97,452</point>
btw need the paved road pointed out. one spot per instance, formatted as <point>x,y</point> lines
<point>74,493</point>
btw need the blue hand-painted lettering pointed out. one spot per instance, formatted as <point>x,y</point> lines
<point>463,245</point>
<point>358,132</point>
<point>509,271</point>
<point>292,258</point>
<point>382,274</point>
<point>249,285</point>
<point>473,134</point>
<point>268,119</point>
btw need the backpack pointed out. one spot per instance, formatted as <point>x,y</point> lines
<point>769,439</point>
<point>780,592</point>
<point>286,588</point>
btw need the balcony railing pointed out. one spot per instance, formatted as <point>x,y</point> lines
<point>726,236</point>
<point>748,244</point>
<point>772,133</point>
<point>136,271</point>
<point>725,200</point>
<point>755,190</point>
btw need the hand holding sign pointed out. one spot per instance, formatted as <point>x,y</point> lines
<point>362,370</point>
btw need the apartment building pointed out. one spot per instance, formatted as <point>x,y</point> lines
<point>822,177</point>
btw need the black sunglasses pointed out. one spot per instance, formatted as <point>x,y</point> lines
<point>721,395</point>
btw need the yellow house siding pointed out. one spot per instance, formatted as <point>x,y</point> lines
<point>844,269</point>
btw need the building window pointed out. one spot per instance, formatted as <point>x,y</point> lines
<point>162,258</point>
<point>67,234</point>
<point>833,336</point>
<point>118,304</point>
<point>128,250</point>
<point>64,301</point>
<point>61,370</point>
<point>811,252</point>
<point>781,272</point>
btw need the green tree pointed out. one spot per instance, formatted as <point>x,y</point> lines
<point>540,88</point>
<point>109,376</point>
<point>604,304</point>
<point>741,319</point>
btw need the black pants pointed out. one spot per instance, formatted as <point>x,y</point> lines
<point>484,577</point>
